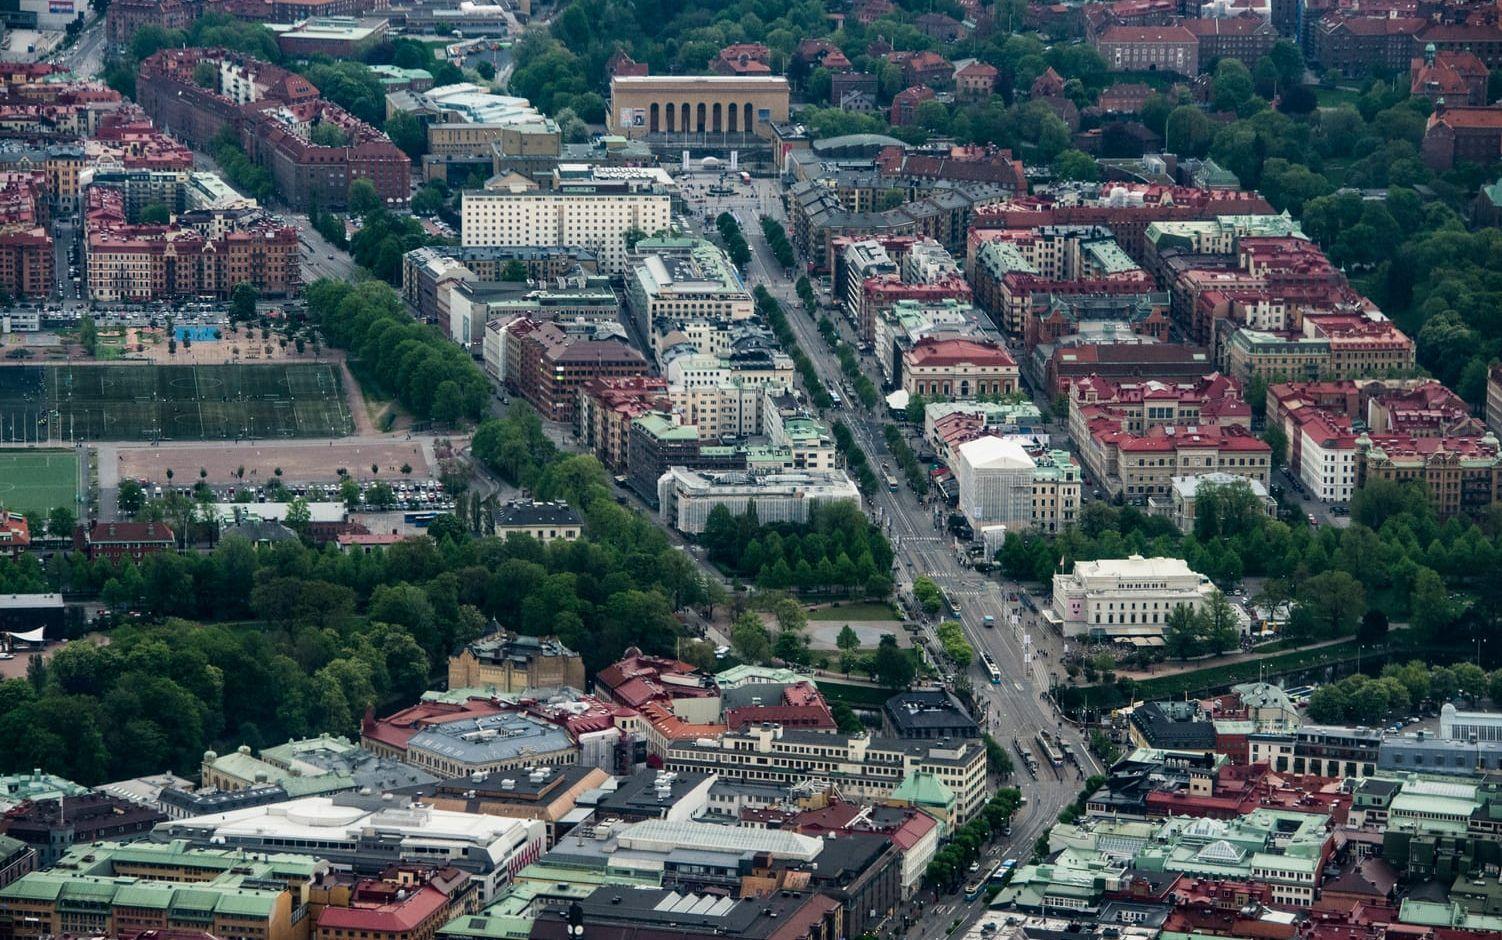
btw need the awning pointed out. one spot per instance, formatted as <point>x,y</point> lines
<point>30,636</point>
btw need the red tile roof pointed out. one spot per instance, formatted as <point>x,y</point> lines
<point>1462,118</point>
<point>953,352</point>
<point>1148,34</point>
<point>109,533</point>
<point>397,915</point>
<point>397,729</point>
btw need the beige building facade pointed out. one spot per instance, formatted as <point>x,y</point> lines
<point>696,104</point>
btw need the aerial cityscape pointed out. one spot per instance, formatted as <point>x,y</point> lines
<point>778,469</point>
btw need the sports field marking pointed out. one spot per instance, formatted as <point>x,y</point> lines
<point>33,480</point>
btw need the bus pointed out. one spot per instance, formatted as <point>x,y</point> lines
<point>990,666</point>
<point>974,888</point>
<point>745,178</point>
<point>891,481</point>
<point>1003,872</point>
<point>1050,749</point>
<point>422,518</point>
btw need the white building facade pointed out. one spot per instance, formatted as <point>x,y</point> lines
<point>598,221</point>
<point>687,497</point>
<point>1124,598</point>
<point>995,480</point>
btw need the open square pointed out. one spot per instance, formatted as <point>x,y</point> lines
<point>38,479</point>
<point>172,402</point>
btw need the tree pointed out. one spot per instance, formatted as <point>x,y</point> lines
<point>205,75</point>
<point>408,133</point>
<point>848,642</point>
<point>791,617</point>
<point>927,594</point>
<point>1373,627</point>
<point>242,300</point>
<point>514,270</point>
<point>363,198</point>
<point>131,497</point>
<point>1276,439</point>
<point>1221,628</point>
<point>1232,86</point>
<point>298,515</point>
<point>324,134</point>
<point>1433,611</point>
<point>571,126</point>
<point>1188,132</point>
<point>61,522</point>
<point>156,213</point>
<point>749,637</point>
<point>1075,165</point>
<point>998,761</point>
<point>1183,631</point>
<point>894,669</point>
<point>88,335</point>
<point>1329,704</point>
<point>1336,600</point>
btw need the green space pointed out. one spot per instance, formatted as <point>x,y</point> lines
<point>110,346</point>
<point>854,612</point>
<point>856,696</point>
<point>38,480</point>
<point>148,402</point>
<point>1336,97</point>
<point>1215,678</point>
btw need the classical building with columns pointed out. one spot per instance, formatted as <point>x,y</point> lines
<point>642,105</point>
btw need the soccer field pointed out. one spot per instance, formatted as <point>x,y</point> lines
<point>38,479</point>
<point>173,403</point>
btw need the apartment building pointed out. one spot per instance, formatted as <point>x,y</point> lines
<point>120,540</point>
<point>787,423</point>
<point>606,409</point>
<point>686,497</point>
<point>273,112</point>
<point>1463,473</point>
<point>1327,455</point>
<point>405,903</point>
<point>1003,481</point>
<point>112,889</point>
<point>1211,399</point>
<point>549,366</point>
<point>677,281</point>
<point>597,214</point>
<point>1142,466</point>
<point>864,767</point>
<point>201,253</point>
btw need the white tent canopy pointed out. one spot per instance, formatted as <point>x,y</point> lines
<point>30,636</point>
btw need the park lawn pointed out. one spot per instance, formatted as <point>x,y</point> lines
<point>1335,97</point>
<point>110,346</point>
<point>856,612</point>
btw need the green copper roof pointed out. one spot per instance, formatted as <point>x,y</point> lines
<point>922,788</point>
